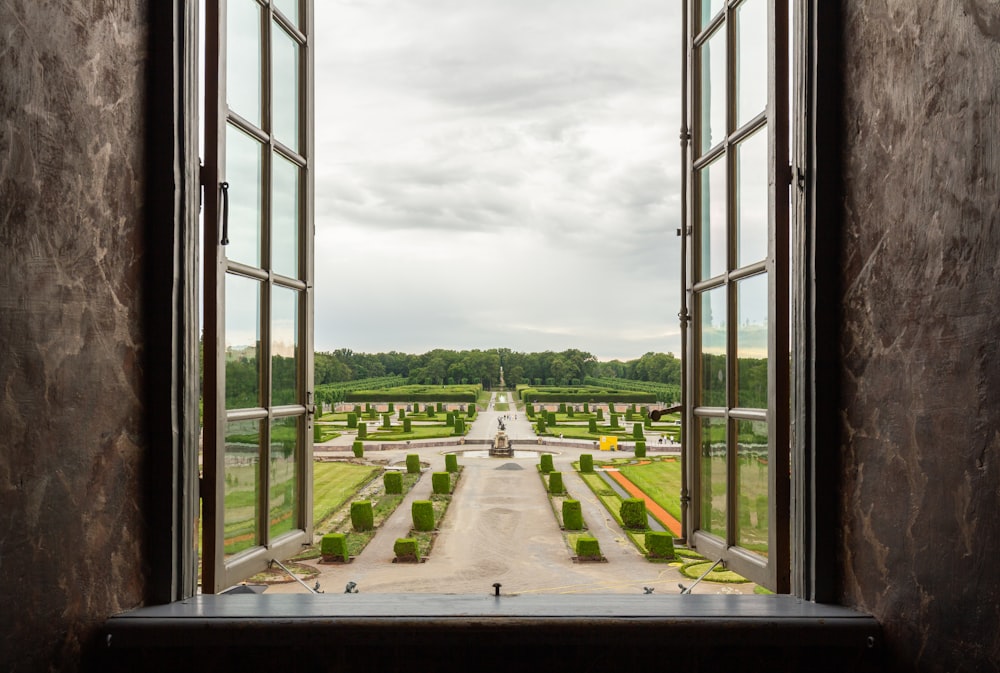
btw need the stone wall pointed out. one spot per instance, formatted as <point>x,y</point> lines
<point>72,94</point>
<point>921,327</point>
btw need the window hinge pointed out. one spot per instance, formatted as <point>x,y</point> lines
<point>685,136</point>
<point>685,317</point>
<point>800,179</point>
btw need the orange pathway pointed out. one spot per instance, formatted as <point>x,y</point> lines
<point>651,506</point>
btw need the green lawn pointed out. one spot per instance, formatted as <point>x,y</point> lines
<point>416,432</point>
<point>335,483</point>
<point>660,480</point>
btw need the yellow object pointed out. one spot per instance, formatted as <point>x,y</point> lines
<point>609,443</point>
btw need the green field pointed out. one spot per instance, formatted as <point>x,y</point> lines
<point>336,483</point>
<point>660,480</point>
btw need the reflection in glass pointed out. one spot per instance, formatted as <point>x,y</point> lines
<point>751,342</point>
<point>713,348</point>
<point>285,217</point>
<point>284,342</point>
<point>751,60</point>
<point>282,501</point>
<point>243,60</point>
<point>752,503</point>
<point>709,8</point>
<point>242,342</point>
<point>243,173</point>
<point>713,476</point>
<point>242,489</point>
<point>712,63</point>
<point>712,218</point>
<point>285,84</point>
<point>290,8</point>
<point>751,199</point>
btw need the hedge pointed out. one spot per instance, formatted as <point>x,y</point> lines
<point>637,431</point>
<point>640,449</point>
<point>659,544</point>
<point>412,463</point>
<point>386,421</point>
<point>588,549</point>
<point>333,547</point>
<point>362,431</point>
<point>441,483</point>
<point>451,462</point>
<point>540,426</point>
<point>614,420</point>
<point>470,410</point>
<point>422,512</point>
<point>407,425</point>
<point>572,515</point>
<point>545,461</point>
<point>556,483</point>
<point>352,419</point>
<point>359,448</point>
<point>633,513</point>
<point>586,462</point>
<point>362,515</point>
<point>459,426</point>
<point>393,482</point>
<point>592,425</point>
<point>406,550</point>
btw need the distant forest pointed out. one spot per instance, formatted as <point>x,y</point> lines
<point>439,366</point>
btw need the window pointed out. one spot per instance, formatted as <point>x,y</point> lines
<point>736,288</point>
<point>257,480</point>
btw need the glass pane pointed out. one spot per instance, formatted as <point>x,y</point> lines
<point>285,83</point>
<point>243,59</point>
<point>284,339</point>
<point>283,497</point>
<point>244,175</point>
<point>713,91</point>
<point>713,348</point>
<point>751,60</point>
<point>712,218</point>
<point>709,8</point>
<point>751,342</point>
<point>752,503</point>
<point>713,476</point>
<point>242,489</point>
<point>751,199</point>
<point>242,342</point>
<point>290,8</point>
<point>285,217</point>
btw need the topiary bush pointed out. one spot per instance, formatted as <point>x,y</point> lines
<point>592,425</point>
<point>556,483</point>
<point>633,513</point>
<point>586,462</point>
<point>572,515</point>
<point>545,462</point>
<point>441,483</point>
<point>459,426</point>
<point>317,433</point>
<point>540,426</point>
<point>588,549</point>
<point>406,550</point>
<point>422,512</point>
<point>529,410</point>
<point>440,407</point>
<point>640,449</point>
<point>562,407</point>
<point>451,462</point>
<point>362,515</point>
<point>637,431</point>
<point>586,408</point>
<point>470,411</point>
<point>393,482</point>
<point>401,414</point>
<point>660,544</point>
<point>391,408</point>
<point>333,548</point>
<point>352,420</point>
<point>550,417</point>
<point>362,431</point>
<point>449,419</point>
<point>412,463</point>
<point>386,421</point>
<point>358,447</point>
<point>600,414</point>
<point>407,425</point>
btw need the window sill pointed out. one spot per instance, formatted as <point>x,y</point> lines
<point>452,632</point>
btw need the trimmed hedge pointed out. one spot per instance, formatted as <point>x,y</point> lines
<point>362,515</point>
<point>556,483</point>
<point>422,512</point>
<point>459,426</point>
<point>470,411</point>
<point>586,462</point>
<point>640,449</point>
<point>333,547</point>
<point>412,463</point>
<point>637,431</point>
<point>572,515</point>
<point>588,549</point>
<point>449,419</point>
<point>386,421</point>
<point>451,462</point>
<point>441,483</point>
<point>660,544</point>
<point>406,550</point>
<point>545,462</point>
<point>362,431</point>
<point>614,420</point>
<point>393,482</point>
<point>352,419</point>
<point>540,426</point>
<point>592,425</point>
<point>407,425</point>
<point>358,447</point>
<point>633,513</point>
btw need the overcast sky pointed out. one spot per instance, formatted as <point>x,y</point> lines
<point>500,173</point>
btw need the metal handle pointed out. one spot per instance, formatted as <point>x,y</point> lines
<point>225,213</point>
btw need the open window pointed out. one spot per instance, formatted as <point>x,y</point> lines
<point>258,305</point>
<point>737,287</point>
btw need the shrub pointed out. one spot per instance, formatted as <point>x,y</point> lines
<point>368,407</point>
<point>406,550</point>
<point>459,426</point>
<point>600,414</point>
<point>423,514</point>
<point>362,431</point>
<point>441,483</point>
<point>451,462</point>
<point>440,406</point>
<point>659,544</point>
<point>357,410</point>
<point>391,408</point>
<point>586,462</point>
<point>386,421</point>
<point>352,420</point>
<point>416,407</point>
<point>333,547</point>
<point>614,420</point>
<point>586,407</point>
<point>317,433</point>
<point>588,549</point>
<point>540,426</point>
<point>529,409</point>
<point>429,410</point>
<point>401,414</point>
<point>637,431</point>
<point>633,513</point>
<point>545,461</point>
<point>393,482</point>
<point>562,407</point>
<point>359,448</point>
<point>407,425</point>
<point>556,483</point>
<point>640,449</point>
<point>592,425</point>
<point>551,416</point>
<point>449,419</point>
<point>412,463</point>
<point>570,411</point>
<point>362,515</point>
<point>471,410</point>
<point>572,515</point>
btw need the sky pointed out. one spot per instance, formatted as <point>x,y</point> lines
<point>498,173</point>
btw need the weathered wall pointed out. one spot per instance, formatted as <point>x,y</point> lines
<point>921,331</point>
<point>72,82</point>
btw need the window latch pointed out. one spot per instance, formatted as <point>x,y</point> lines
<point>225,213</point>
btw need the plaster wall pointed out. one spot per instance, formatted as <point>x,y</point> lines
<point>920,373</point>
<point>72,94</point>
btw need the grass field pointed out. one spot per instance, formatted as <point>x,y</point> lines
<point>335,483</point>
<point>660,480</point>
